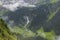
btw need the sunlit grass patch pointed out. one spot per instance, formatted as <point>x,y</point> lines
<point>50,35</point>
<point>23,32</point>
<point>47,35</point>
<point>54,1</point>
<point>40,32</point>
<point>52,14</point>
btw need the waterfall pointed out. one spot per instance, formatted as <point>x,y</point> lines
<point>26,19</point>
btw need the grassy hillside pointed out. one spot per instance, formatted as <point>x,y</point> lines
<point>5,33</point>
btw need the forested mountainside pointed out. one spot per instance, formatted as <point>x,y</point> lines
<point>39,16</point>
<point>39,23</point>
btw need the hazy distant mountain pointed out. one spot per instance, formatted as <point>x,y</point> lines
<point>16,4</point>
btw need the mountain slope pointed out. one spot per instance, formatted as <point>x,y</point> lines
<point>5,33</point>
<point>39,16</point>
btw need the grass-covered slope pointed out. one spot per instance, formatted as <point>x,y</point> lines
<point>5,33</point>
